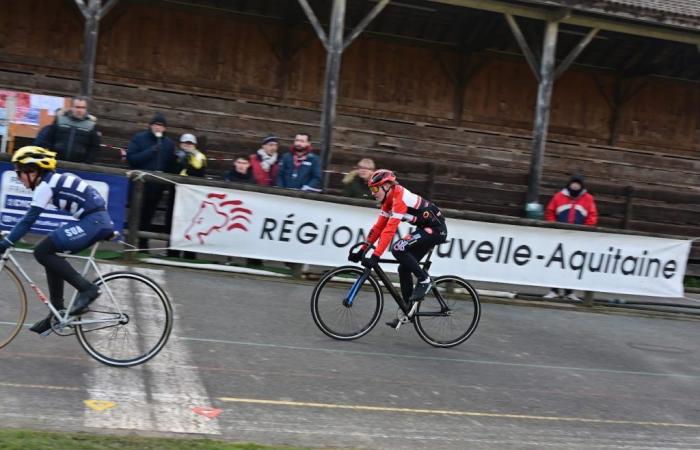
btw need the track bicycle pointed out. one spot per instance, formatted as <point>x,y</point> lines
<point>447,316</point>
<point>127,325</point>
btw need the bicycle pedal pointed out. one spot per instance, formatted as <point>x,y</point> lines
<point>46,333</point>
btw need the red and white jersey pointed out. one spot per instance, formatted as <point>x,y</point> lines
<point>400,205</point>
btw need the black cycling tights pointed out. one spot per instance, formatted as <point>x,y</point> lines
<point>57,270</point>
<point>411,249</point>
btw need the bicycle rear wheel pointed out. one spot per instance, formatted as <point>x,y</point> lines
<point>129,323</point>
<point>13,305</point>
<point>449,313</point>
<point>343,308</point>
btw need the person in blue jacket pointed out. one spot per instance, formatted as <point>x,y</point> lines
<point>66,192</point>
<point>152,150</point>
<point>300,167</point>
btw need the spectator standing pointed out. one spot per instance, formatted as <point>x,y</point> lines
<point>152,150</point>
<point>300,167</point>
<point>355,182</point>
<point>73,135</point>
<point>265,163</point>
<point>241,172</point>
<point>190,161</point>
<point>573,204</point>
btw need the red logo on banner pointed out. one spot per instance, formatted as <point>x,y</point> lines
<point>210,413</point>
<point>215,214</point>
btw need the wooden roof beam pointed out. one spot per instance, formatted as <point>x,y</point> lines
<point>314,22</point>
<point>360,27</point>
<point>576,18</point>
<point>573,54</point>
<point>524,46</point>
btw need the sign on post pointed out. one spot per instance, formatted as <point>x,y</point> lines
<point>15,199</point>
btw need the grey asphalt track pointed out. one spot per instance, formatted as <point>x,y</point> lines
<point>530,377</point>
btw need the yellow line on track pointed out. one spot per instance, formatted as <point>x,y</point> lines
<point>454,413</point>
<point>40,386</point>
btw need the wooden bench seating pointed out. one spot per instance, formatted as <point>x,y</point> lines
<point>463,168</point>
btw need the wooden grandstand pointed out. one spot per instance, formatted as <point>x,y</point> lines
<point>437,91</point>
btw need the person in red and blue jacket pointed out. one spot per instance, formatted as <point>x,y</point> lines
<point>573,204</point>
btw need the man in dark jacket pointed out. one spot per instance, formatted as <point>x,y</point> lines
<point>73,134</point>
<point>152,150</point>
<point>300,167</point>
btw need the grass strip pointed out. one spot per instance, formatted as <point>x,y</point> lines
<point>42,440</point>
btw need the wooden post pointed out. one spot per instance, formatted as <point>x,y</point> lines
<point>92,27</point>
<point>5,121</point>
<point>135,205</point>
<point>588,298</point>
<point>629,193</point>
<point>330,88</point>
<point>93,12</point>
<point>460,88</point>
<point>430,180</point>
<point>544,95</point>
<point>616,109</point>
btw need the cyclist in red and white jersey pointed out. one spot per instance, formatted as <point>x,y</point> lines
<point>398,204</point>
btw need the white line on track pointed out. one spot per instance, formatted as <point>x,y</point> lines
<point>144,394</point>
<point>439,358</point>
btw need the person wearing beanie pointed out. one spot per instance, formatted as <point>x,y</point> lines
<point>158,118</point>
<point>152,150</point>
<point>265,162</point>
<point>300,167</point>
<point>355,182</point>
<point>573,204</point>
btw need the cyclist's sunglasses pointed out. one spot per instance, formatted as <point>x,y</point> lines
<point>374,189</point>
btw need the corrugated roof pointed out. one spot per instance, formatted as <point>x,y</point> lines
<point>689,8</point>
<point>676,13</point>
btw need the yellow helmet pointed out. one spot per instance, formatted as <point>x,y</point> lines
<point>31,154</point>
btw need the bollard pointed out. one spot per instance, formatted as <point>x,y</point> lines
<point>588,298</point>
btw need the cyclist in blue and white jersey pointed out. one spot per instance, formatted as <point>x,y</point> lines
<point>67,192</point>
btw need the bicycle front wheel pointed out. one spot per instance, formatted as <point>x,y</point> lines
<point>449,313</point>
<point>345,308</point>
<point>13,305</point>
<point>129,323</point>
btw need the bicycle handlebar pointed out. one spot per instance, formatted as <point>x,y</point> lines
<point>364,252</point>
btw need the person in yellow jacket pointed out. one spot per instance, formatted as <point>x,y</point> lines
<point>190,161</point>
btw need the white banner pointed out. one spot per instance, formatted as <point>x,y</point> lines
<point>275,227</point>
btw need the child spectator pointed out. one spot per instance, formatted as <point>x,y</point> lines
<point>241,172</point>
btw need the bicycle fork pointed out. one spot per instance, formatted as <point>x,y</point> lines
<point>347,301</point>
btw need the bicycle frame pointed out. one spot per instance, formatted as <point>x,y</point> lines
<point>66,319</point>
<point>384,278</point>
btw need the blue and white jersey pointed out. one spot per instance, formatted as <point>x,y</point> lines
<point>67,192</point>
